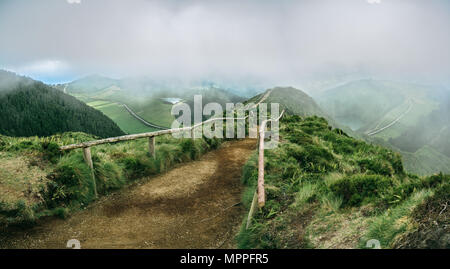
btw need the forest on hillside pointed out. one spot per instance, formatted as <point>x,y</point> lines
<point>32,108</point>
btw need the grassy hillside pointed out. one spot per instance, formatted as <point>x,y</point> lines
<point>426,161</point>
<point>121,117</point>
<point>89,84</point>
<point>367,104</point>
<point>294,101</point>
<point>432,129</point>
<point>327,190</point>
<point>420,114</point>
<point>29,107</point>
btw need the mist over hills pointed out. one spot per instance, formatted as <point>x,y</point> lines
<point>416,115</point>
<point>145,97</point>
<point>410,118</point>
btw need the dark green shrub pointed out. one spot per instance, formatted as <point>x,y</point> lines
<point>108,176</point>
<point>340,132</point>
<point>359,188</point>
<point>300,138</point>
<point>434,180</point>
<point>312,158</point>
<point>51,150</point>
<point>213,143</point>
<point>135,167</point>
<point>188,147</point>
<point>2,143</point>
<point>377,166</point>
<point>71,181</point>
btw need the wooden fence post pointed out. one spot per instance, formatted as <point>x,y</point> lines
<point>261,192</point>
<point>193,133</point>
<point>88,159</point>
<point>151,146</point>
<point>257,138</point>
<point>252,209</point>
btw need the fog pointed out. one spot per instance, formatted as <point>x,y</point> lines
<point>266,42</point>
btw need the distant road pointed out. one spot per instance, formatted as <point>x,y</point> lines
<point>374,132</point>
<point>136,116</point>
<point>141,119</point>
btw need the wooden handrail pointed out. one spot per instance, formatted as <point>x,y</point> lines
<point>137,136</point>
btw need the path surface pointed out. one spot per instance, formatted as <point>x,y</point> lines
<point>195,205</point>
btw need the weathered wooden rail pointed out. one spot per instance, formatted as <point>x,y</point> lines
<point>259,198</point>
<point>86,146</point>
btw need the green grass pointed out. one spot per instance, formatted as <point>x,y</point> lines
<point>426,161</point>
<point>327,190</point>
<point>121,117</point>
<point>154,111</point>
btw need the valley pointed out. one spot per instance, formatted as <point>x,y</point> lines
<point>312,178</point>
<point>386,113</point>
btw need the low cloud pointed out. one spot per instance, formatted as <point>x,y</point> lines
<point>74,1</point>
<point>275,41</point>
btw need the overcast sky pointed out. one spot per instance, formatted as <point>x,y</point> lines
<point>274,41</point>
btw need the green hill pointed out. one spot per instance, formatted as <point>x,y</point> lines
<point>89,84</point>
<point>410,118</point>
<point>31,108</point>
<point>432,129</point>
<point>426,161</point>
<point>295,102</point>
<point>366,105</point>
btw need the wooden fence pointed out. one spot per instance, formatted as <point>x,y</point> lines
<point>259,198</point>
<point>86,146</point>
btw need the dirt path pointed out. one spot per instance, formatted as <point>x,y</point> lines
<point>195,205</point>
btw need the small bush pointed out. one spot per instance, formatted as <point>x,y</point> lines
<point>51,151</point>
<point>136,167</point>
<point>306,194</point>
<point>434,180</point>
<point>376,166</point>
<point>331,201</point>
<point>359,188</point>
<point>312,158</point>
<point>71,181</point>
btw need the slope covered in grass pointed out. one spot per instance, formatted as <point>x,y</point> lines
<point>294,101</point>
<point>121,116</point>
<point>327,190</point>
<point>416,117</point>
<point>368,104</point>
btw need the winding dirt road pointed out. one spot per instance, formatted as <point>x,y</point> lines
<point>379,130</point>
<point>195,205</point>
